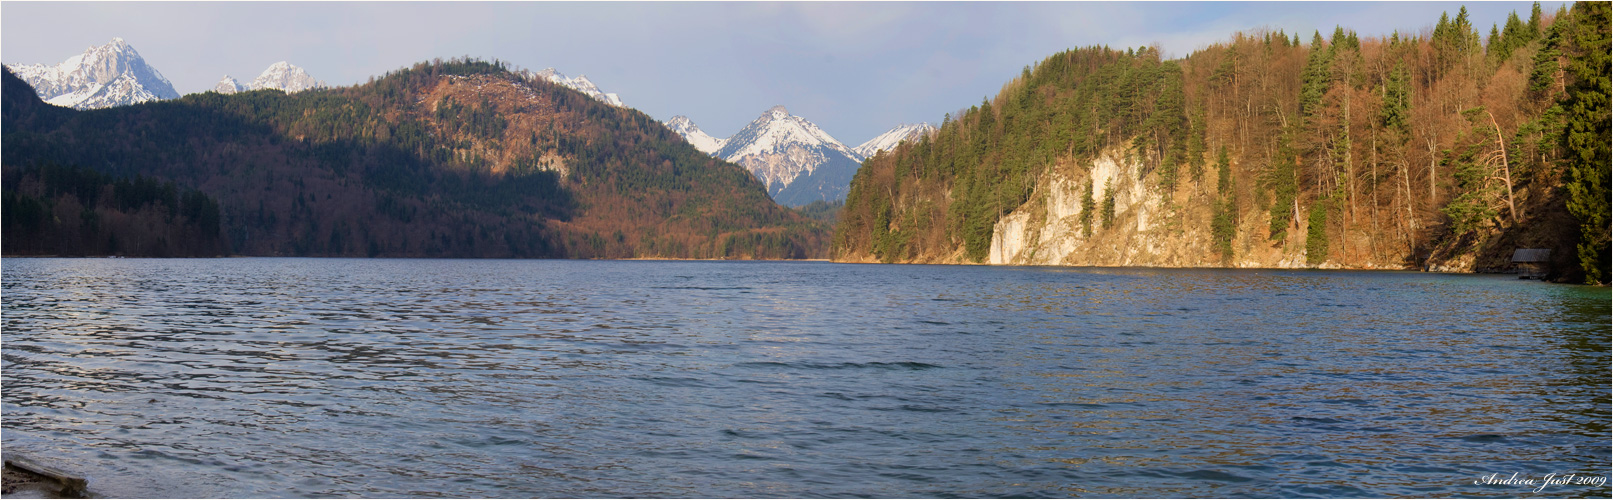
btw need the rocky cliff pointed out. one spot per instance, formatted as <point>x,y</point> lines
<point>1264,151</point>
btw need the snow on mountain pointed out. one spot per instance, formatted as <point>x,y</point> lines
<point>889,139</point>
<point>580,84</point>
<point>228,86</point>
<point>109,75</point>
<point>687,129</point>
<point>124,89</point>
<point>285,77</point>
<point>798,162</point>
<point>778,129</point>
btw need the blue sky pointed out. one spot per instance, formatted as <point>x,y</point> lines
<point>854,68</point>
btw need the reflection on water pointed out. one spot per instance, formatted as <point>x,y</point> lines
<point>309,377</point>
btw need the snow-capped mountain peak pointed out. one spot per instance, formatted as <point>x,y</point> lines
<point>109,75</point>
<point>687,129</point>
<point>799,162</point>
<point>228,85</point>
<point>889,139</point>
<point>285,77</point>
<point>581,84</point>
<point>776,130</point>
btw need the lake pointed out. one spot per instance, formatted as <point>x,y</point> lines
<point>489,378</point>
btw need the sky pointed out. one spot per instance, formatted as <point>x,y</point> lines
<point>856,69</point>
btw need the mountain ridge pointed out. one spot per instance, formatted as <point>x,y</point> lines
<point>687,129</point>
<point>102,76</point>
<point>799,162</point>
<point>580,83</point>
<point>285,77</point>
<point>461,158</point>
<point>896,135</point>
<point>783,150</point>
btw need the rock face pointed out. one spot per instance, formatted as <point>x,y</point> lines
<point>1048,230</point>
<point>1149,227</point>
<point>580,84</point>
<point>285,77</point>
<point>889,139</point>
<point>798,162</point>
<point>109,75</point>
<point>687,129</point>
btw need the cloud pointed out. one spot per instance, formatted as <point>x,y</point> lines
<point>857,68</point>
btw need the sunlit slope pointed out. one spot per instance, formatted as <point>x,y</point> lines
<point>1447,151</point>
<point>457,158</point>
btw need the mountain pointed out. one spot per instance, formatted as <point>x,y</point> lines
<point>110,75</point>
<point>580,84</point>
<point>799,162</point>
<point>1102,157</point>
<point>228,85</point>
<point>687,129</point>
<point>889,139</point>
<point>284,77</point>
<point>461,158</point>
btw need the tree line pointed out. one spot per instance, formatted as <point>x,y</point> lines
<point>1411,147</point>
<point>456,158</point>
<point>51,209</point>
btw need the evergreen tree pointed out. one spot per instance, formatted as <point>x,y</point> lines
<point>1195,146</point>
<point>1495,45</point>
<point>1224,218</point>
<point>1280,178</point>
<point>1585,137</point>
<point>1316,236</point>
<point>1316,77</point>
<point>1396,111</point>
<point>1108,204</point>
<point>1543,76</point>
<point>1534,21</point>
<point>1088,206</point>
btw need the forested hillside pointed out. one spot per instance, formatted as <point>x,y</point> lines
<point>446,159</point>
<point>1442,149</point>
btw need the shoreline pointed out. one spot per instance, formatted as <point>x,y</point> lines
<point>22,478</point>
<point>1324,267</point>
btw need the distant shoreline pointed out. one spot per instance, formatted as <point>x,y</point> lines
<point>1437,269</point>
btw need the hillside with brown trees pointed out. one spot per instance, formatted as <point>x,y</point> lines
<point>458,158</point>
<point>1440,149</point>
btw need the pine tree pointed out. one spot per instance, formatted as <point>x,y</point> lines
<point>1315,78</point>
<point>1108,204</point>
<point>1543,76</point>
<point>1495,44</point>
<point>1284,186</point>
<point>1396,111</point>
<point>1534,21</point>
<point>1088,205</point>
<point>1585,137</point>
<point>1316,236</point>
<point>1224,218</point>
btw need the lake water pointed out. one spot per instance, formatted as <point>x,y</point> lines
<point>477,378</point>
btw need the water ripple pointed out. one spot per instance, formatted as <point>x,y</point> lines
<point>400,378</point>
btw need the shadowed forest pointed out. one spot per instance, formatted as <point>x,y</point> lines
<point>459,158</point>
